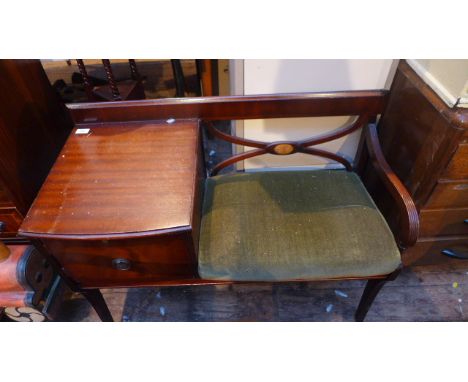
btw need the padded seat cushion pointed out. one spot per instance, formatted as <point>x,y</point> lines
<point>292,225</point>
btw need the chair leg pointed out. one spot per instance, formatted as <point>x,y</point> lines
<point>371,291</point>
<point>94,297</point>
<point>373,287</point>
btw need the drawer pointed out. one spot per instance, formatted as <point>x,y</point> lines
<point>430,252</point>
<point>11,219</point>
<point>126,262</point>
<point>458,166</point>
<point>449,195</point>
<point>444,222</point>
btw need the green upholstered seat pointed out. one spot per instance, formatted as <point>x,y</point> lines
<point>292,225</point>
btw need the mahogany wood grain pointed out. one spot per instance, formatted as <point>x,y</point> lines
<point>458,166</point>
<point>234,107</point>
<point>419,134</point>
<point>4,198</point>
<point>448,194</point>
<point>124,192</point>
<point>153,258</point>
<point>409,219</point>
<point>119,179</point>
<point>444,222</point>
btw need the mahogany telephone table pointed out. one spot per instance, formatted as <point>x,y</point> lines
<point>127,202</point>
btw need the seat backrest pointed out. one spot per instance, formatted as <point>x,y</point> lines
<point>304,146</point>
<point>364,109</point>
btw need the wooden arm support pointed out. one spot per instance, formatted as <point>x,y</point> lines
<point>409,219</point>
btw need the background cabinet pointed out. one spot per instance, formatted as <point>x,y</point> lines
<point>426,142</point>
<point>33,128</point>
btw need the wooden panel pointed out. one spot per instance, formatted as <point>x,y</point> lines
<point>444,222</point>
<point>449,195</point>
<point>119,179</point>
<point>89,262</point>
<point>12,220</point>
<point>5,200</point>
<point>458,167</point>
<point>33,126</point>
<point>234,107</point>
<point>429,252</point>
<point>418,134</point>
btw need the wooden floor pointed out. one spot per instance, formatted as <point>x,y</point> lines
<point>420,294</point>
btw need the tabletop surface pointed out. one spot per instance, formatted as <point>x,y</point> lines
<point>119,178</point>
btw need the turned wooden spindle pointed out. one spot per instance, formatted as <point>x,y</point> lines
<point>110,77</point>
<point>133,70</point>
<point>87,82</point>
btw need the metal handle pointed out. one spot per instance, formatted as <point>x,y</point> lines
<point>451,253</point>
<point>121,264</point>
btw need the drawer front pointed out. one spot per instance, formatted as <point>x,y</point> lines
<point>449,195</point>
<point>11,219</point>
<point>431,252</point>
<point>444,222</point>
<point>458,166</point>
<point>125,263</point>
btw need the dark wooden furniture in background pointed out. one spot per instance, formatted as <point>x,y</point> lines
<point>115,90</point>
<point>426,143</point>
<point>33,128</point>
<point>25,277</point>
<point>208,74</point>
<point>121,206</point>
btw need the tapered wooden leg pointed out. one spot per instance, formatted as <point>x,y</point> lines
<point>94,297</point>
<point>373,287</point>
<point>178,78</point>
<point>371,291</point>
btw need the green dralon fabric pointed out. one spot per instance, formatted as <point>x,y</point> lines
<point>292,225</point>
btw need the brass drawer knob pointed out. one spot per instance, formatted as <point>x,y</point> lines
<point>121,264</point>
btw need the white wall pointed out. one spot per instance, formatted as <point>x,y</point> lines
<point>448,78</point>
<point>286,76</point>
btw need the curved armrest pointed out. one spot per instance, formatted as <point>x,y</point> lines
<point>409,219</point>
